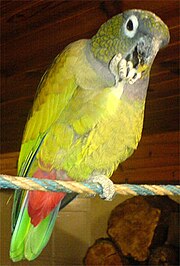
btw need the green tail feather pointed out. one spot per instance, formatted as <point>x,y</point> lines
<point>28,241</point>
<point>19,234</point>
<point>39,236</point>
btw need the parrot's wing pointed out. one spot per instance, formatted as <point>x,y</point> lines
<point>55,90</point>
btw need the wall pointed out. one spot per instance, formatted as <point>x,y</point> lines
<point>77,227</point>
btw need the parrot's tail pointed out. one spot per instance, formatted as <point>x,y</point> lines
<point>28,240</point>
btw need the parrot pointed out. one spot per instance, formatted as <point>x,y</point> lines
<point>86,119</point>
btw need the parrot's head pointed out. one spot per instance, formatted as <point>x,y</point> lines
<point>136,34</point>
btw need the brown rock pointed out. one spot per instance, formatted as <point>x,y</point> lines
<point>104,253</point>
<point>131,226</point>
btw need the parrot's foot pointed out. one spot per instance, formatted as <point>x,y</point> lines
<point>107,186</point>
<point>123,70</point>
<point>114,66</point>
<point>127,72</point>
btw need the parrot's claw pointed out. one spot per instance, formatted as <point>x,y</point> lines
<point>107,186</point>
<point>128,72</point>
<point>113,66</point>
<point>123,70</point>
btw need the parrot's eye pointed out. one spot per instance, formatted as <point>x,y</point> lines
<point>131,26</point>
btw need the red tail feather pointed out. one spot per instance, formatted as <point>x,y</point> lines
<point>40,203</point>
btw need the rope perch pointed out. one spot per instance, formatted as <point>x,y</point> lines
<point>30,183</point>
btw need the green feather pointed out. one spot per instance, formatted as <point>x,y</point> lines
<point>39,236</point>
<point>19,234</point>
<point>28,241</point>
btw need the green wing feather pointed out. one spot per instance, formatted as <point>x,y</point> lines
<point>54,92</point>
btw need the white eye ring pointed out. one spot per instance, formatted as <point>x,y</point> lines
<point>131,26</point>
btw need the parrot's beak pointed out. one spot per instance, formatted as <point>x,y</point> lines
<point>141,54</point>
<point>144,52</point>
